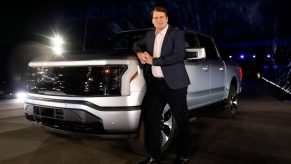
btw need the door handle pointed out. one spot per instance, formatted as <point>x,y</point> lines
<point>221,69</point>
<point>205,68</point>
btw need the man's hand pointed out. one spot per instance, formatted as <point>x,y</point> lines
<point>149,58</point>
<point>141,57</point>
<point>145,58</point>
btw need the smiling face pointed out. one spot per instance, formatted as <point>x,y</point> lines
<point>159,20</point>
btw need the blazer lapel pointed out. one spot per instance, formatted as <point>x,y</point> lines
<point>151,43</point>
<point>164,46</point>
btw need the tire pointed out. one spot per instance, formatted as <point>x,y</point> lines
<point>168,129</point>
<point>231,103</point>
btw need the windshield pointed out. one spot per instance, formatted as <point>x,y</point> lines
<point>82,31</point>
<point>124,40</point>
<point>120,41</point>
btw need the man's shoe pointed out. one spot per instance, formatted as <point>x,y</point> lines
<point>149,161</point>
<point>181,160</point>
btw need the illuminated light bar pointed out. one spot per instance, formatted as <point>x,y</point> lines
<point>276,85</point>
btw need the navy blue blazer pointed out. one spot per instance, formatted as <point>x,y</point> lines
<point>171,59</point>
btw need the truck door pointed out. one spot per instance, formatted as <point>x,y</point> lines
<point>199,89</point>
<point>199,74</point>
<point>217,69</point>
<point>217,80</point>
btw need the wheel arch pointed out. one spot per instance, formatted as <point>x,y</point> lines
<point>233,82</point>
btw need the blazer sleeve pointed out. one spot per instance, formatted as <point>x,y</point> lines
<point>139,46</point>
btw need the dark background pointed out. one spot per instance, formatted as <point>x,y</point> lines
<point>238,26</point>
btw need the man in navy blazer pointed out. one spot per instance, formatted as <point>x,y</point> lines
<point>162,52</point>
<point>172,56</point>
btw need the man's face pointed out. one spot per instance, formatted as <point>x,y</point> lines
<point>160,20</point>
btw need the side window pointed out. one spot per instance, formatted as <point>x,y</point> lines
<point>191,40</point>
<point>210,49</point>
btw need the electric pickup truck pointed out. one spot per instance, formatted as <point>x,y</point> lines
<point>100,92</point>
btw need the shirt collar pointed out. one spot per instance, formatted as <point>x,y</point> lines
<point>163,32</point>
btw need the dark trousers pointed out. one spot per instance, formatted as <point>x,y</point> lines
<point>160,95</point>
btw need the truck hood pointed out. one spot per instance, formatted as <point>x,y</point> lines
<point>90,55</point>
<point>100,57</point>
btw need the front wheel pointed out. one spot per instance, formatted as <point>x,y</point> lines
<point>168,128</point>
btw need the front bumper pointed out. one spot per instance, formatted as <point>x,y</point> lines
<point>82,116</point>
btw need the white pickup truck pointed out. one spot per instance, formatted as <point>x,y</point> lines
<point>101,92</point>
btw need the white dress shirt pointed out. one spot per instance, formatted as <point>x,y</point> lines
<point>156,70</point>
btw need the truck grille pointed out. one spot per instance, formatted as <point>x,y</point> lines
<point>76,81</point>
<point>65,119</point>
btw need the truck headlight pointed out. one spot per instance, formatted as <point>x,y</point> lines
<point>107,81</point>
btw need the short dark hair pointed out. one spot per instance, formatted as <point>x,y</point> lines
<point>159,9</point>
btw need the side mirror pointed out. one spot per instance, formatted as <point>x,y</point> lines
<point>195,53</point>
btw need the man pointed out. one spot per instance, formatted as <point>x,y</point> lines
<point>163,50</point>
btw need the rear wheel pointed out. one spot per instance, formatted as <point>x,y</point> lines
<point>168,128</point>
<point>231,103</point>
